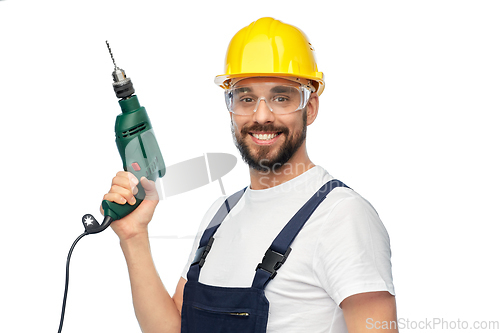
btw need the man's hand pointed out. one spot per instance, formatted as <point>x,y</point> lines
<point>123,188</point>
<point>370,312</point>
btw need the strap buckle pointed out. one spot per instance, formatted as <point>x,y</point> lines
<point>272,261</point>
<point>202,253</point>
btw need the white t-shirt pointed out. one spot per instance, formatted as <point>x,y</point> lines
<point>342,250</point>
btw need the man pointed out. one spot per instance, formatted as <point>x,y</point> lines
<point>338,276</point>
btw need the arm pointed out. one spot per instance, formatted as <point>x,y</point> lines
<point>179,294</point>
<point>155,310</point>
<point>370,312</point>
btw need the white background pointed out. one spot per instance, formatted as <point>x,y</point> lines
<point>409,119</point>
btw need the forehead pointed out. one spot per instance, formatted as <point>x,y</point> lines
<point>264,80</point>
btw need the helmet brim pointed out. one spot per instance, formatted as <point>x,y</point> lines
<point>224,81</point>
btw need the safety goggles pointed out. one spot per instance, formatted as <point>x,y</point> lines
<point>279,98</point>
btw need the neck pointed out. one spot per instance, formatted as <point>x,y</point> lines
<point>273,176</point>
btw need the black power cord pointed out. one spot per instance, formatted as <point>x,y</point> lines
<point>67,279</point>
<point>91,227</point>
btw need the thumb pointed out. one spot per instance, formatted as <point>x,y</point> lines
<point>149,188</point>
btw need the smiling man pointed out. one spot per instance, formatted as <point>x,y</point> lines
<point>268,129</point>
<point>242,275</point>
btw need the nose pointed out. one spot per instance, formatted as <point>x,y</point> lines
<point>263,113</point>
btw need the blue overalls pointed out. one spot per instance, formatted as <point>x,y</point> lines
<point>210,309</point>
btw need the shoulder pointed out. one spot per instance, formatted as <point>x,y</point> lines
<point>352,252</point>
<point>341,198</point>
<point>347,211</point>
<point>350,224</point>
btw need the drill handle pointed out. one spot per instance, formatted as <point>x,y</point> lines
<point>117,211</point>
<point>112,211</point>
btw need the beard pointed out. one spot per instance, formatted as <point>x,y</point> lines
<point>262,159</point>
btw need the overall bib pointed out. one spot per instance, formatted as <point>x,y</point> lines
<point>210,309</point>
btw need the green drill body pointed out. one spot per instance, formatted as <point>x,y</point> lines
<point>136,144</point>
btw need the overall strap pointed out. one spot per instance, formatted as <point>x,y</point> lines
<point>280,248</point>
<point>207,237</point>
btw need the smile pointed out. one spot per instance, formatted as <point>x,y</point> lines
<point>265,136</point>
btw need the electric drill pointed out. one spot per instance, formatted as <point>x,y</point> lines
<point>137,145</point>
<point>140,155</point>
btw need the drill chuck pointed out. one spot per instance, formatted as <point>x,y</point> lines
<point>122,84</point>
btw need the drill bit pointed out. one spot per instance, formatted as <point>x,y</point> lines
<point>111,54</point>
<point>118,74</point>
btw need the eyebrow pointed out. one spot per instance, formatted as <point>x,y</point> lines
<point>281,89</point>
<point>243,90</point>
<point>275,89</point>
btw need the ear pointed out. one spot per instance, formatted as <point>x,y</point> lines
<point>312,108</point>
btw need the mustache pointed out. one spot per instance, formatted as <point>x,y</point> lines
<point>264,128</point>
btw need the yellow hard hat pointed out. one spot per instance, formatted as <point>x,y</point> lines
<point>269,47</point>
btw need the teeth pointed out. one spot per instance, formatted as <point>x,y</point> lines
<point>264,136</point>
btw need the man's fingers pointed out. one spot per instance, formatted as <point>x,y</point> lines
<point>150,189</point>
<point>119,198</point>
<point>125,179</point>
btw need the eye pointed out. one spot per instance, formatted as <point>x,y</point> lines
<point>246,100</point>
<point>280,99</point>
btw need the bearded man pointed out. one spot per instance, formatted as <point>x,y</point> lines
<point>242,275</point>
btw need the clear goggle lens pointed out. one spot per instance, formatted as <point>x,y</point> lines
<point>280,99</point>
